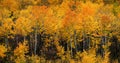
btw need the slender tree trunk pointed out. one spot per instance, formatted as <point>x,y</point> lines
<point>71,46</point>
<point>103,38</point>
<point>88,41</point>
<point>84,40</point>
<point>6,41</point>
<point>24,38</point>
<point>31,44</point>
<point>35,43</point>
<point>17,39</point>
<point>67,46</point>
<point>75,41</point>
<point>84,34</point>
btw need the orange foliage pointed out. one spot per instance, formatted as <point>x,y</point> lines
<point>42,10</point>
<point>89,8</point>
<point>69,19</point>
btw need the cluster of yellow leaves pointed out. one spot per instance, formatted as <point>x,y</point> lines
<point>26,13</point>
<point>4,13</point>
<point>90,57</point>
<point>90,24</point>
<point>52,22</point>
<point>107,19</point>
<point>34,59</point>
<point>53,1</point>
<point>65,6</point>
<point>36,1</point>
<point>60,49</point>
<point>50,25</point>
<point>21,50</point>
<point>42,18</point>
<point>99,1</point>
<point>23,26</point>
<point>6,27</point>
<point>20,60</point>
<point>10,4</point>
<point>3,50</point>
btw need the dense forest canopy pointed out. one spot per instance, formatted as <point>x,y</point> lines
<point>59,31</point>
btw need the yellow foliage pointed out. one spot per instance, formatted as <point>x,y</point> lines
<point>65,5</point>
<point>20,60</point>
<point>26,13</point>
<point>21,49</point>
<point>23,26</point>
<point>103,60</point>
<point>3,50</point>
<point>5,13</point>
<point>90,24</point>
<point>10,4</point>
<point>106,19</point>
<point>36,2</point>
<point>19,53</point>
<point>53,1</point>
<point>72,61</point>
<point>60,51</point>
<point>88,57</point>
<point>6,27</point>
<point>34,59</point>
<point>51,24</point>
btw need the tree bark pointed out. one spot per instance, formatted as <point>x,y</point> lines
<point>35,43</point>
<point>71,46</point>
<point>24,38</point>
<point>75,41</point>
<point>6,41</point>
